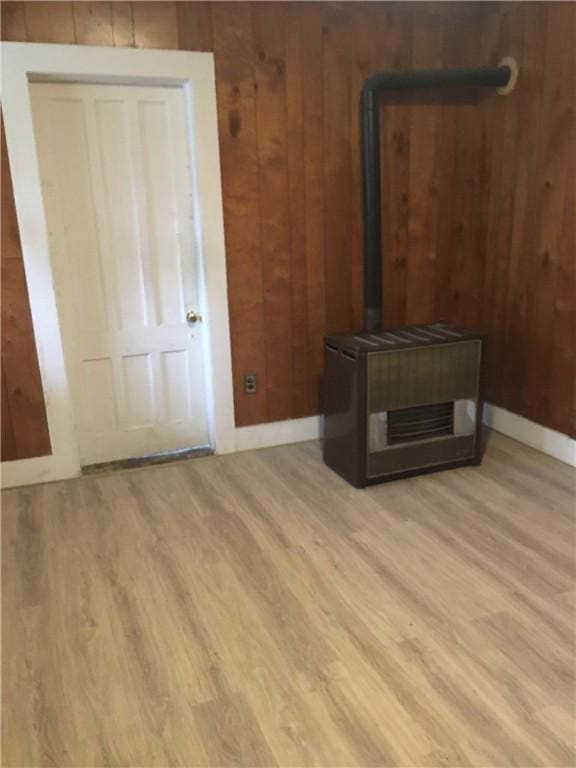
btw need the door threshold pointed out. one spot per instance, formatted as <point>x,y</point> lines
<point>152,459</point>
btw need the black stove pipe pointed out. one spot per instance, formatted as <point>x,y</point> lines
<point>496,77</point>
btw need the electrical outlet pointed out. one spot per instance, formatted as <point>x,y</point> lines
<point>249,383</point>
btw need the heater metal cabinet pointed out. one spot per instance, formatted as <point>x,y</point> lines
<point>401,402</point>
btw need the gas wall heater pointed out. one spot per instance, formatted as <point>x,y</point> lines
<point>402,401</point>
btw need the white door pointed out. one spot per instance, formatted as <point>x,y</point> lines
<point>116,181</point>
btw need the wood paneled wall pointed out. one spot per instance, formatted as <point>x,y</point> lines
<point>478,193</point>
<point>24,426</point>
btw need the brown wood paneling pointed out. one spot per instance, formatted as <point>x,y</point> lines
<point>122,24</point>
<point>503,117</point>
<point>459,293</point>
<point>313,107</point>
<point>8,448</point>
<point>395,141</point>
<point>25,396</point>
<point>155,24</point>
<point>337,173</point>
<point>555,136</point>
<point>561,389</point>
<point>233,48</point>
<point>562,362</point>
<point>16,317</point>
<point>13,21</point>
<point>24,425</point>
<point>49,22</point>
<point>268,24</point>
<point>518,355</point>
<point>10,234</point>
<point>364,58</point>
<point>93,23</point>
<point>478,203</point>
<point>424,176</point>
<point>301,401</point>
<point>563,386</point>
<point>194,26</point>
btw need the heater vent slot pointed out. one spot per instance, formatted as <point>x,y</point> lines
<point>420,423</point>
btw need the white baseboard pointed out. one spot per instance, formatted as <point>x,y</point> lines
<point>42,469</point>
<point>561,447</point>
<point>541,438</point>
<point>277,433</point>
<point>546,440</point>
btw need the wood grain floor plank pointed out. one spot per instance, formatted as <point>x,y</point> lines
<point>253,609</point>
<point>232,734</point>
<point>479,712</point>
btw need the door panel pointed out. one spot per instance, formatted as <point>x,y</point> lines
<point>116,181</point>
<point>112,171</point>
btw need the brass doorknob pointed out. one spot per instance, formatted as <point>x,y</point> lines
<point>192,317</point>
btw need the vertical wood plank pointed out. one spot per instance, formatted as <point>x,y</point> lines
<point>22,397</point>
<point>233,50</point>
<point>25,395</point>
<point>556,147</point>
<point>301,400</point>
<point>464,246</point>
<point>22,388</point>
<point>364,61</point>
<point>49,22</point>
<point>561,380</point>
<point>194,26</point>
<point>424,173</point>
<point>13,21</point>
<point>122,24</point>
<point>395,119</point>
<point>458,146</point>
<point>93,23</point>
<point>268,22</point>
<point>16,317</point>
<point>562,384</point>
<point>9,225</point>
<point>155,25</point>
<point>447,180</point>
<point>519,351</point>
<point>9,450</point>
<point>337,175</point>
<point>502,121</point>
<point>313,100</point>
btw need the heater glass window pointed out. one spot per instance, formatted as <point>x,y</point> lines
<point>420,423</point>
<point>406,425</point>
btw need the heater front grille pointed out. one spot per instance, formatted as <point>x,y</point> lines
<point>422,375</point>
<point>420,423</point>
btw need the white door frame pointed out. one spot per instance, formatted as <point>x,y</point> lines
<point>23,62</point>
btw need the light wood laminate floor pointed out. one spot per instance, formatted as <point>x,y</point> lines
<point>255,610</point>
